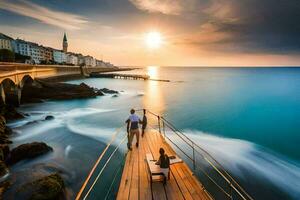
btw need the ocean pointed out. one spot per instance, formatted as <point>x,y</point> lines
<point>247,118</point>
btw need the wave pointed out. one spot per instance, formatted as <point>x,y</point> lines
<point>100,134</point>
<point>32,126</point>
<point>238,155</point>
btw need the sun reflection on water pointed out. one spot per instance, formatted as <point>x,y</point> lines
<point>154,99</point>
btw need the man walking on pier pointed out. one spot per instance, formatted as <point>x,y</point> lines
<point>133,128</point>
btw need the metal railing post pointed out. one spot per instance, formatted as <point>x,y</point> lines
<point>194,161</point>
<point>230,190</point>
<point>164,129</point>
<point>158,120</point>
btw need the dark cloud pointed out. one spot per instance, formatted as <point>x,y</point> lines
<point>254,25</point>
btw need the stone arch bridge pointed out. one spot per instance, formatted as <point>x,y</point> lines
<point>13,79</point>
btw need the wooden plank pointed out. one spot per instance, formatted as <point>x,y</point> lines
<point>172,189</point>
<point>145,189</point>
<point>123,192</point>
<point>194,182</point>
<point>134,187</point>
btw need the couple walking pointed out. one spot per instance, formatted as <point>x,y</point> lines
<point>133,127</point>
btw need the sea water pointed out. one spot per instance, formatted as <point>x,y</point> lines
<point>247,118</point>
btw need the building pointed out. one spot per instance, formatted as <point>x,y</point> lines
<point>6,42</point>
<point>100,63</point>
<point>35,51</point>
<point>80,59</point>
<point>108,64</point>
<point>48,54</point>
<point>65,44</point>
<point>89,61</point>
<point>59,56</point>
<point>72,59</point>
<point>22,47</point>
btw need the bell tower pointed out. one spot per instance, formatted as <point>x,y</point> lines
<point>65,43</point>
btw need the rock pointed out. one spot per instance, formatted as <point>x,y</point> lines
<point>9,112</point>
<point>115,95</point>
<point>4,151</point>
<point>99,93</point>
<point>56,91</point>
<point>8,131</point>
<point>108,91</point>
<point>29,150</point>
<point>4,131</point>
<point>3,187</point>
<point>49,117</point>
<point>3,168</point>
<point>50,187</point>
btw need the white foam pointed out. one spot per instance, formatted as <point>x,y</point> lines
<point>67,150</point>
<point>238,155</point>
<point>100,134</point>
<point>60,119</point>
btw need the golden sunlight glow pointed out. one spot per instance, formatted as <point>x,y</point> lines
<point>152,72</point>
<point>154,98</point>
<point>153,39</point>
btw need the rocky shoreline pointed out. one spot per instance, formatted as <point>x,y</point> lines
<point>50,186</point>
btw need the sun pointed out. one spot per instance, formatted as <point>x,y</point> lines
<point>153,39</point>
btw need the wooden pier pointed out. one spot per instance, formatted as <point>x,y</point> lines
<point>135,182</point>
<point>132,181</point>
<point>120,76</point>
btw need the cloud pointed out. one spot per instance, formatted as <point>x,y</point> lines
<point>251,26</point>
<point>168,7</point>
<point>43,14</point>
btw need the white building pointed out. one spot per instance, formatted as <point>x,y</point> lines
<point>22,47</point>
<point>36,52</point>
<point>81,59</point>
<point>59,56</point>
<point>6,42</point>
<point>72,59</point>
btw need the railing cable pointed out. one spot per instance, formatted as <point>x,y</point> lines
<point>97,163</point>
<point>104,166</point>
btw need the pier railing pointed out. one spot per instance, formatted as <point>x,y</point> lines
<point>216,180</point>
<point>103,180</point>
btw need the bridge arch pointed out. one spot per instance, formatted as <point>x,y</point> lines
<point>26,79</point>
<point>7,90</point>
<point>5,79</point>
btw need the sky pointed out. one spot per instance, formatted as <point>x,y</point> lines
<point>193,32</point>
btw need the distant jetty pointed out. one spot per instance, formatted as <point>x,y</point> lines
<point>125,76</point>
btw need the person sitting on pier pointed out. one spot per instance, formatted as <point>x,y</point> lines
<point>133,128</point>
<point>164,163</point>
<point>144,124</point>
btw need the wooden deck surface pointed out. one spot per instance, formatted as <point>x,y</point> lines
<point>135,182</point>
